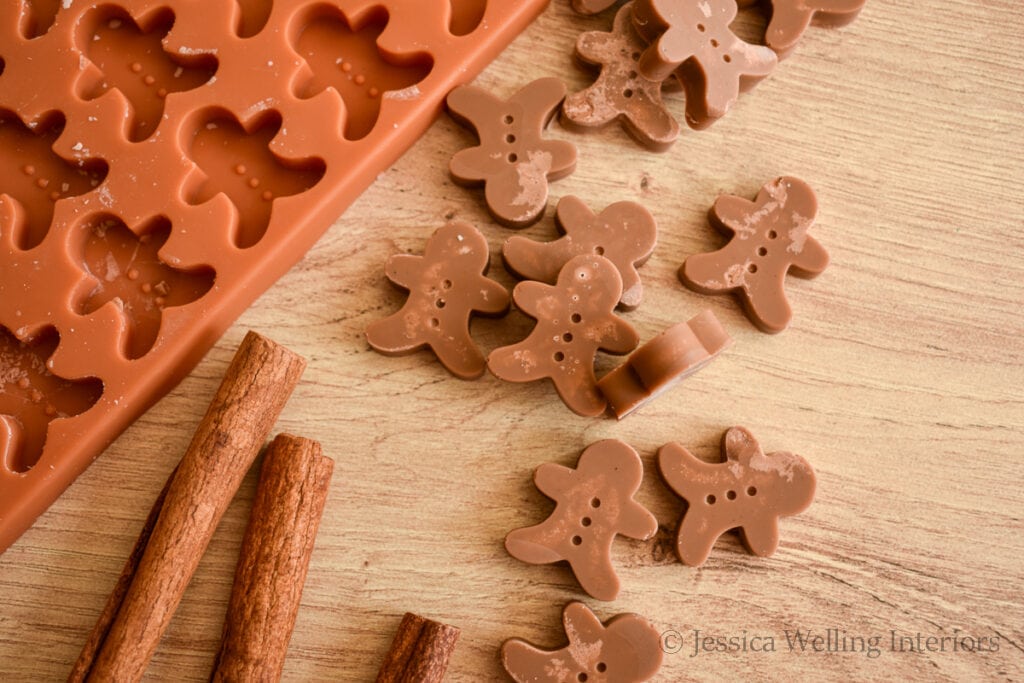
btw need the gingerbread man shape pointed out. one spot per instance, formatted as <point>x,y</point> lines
<point>790,18</point>
<point>620,92</point>
<point>627,649</point>
<point>693,39</point>
<point>769,239</point>
<point>513,162</point>
<point>593,503</point>
<point>575,318</point>
<point>749,490</point>
<point>625,233</point>
<point>446,285</point>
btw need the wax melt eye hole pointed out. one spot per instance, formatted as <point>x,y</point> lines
<point>726,58</point>
<point>714,43</point>
<point>577,540</point>
<point>447,284</point>
<point>435,323</point>
<point>599,250</point>
<point>761,251</point>
<point>752,268</point>
<point>595,503</point>
<point>635,56</point>
<point>510,139</point>
<point>627,93</point>
<point>509,120</point>
<point>559,356</point>
<point>633,74</point>
<point>711,500</point>
<point>567,337</point>
<point>576,317</point>
<point>513,158</point>
<point>772,234</point>
<point>731,495</point>
<point>440,303</point>
<point>751,490</point>
<point>601,667</point>
<point>582,677</point>
<point>700,27</point>
<point>586,521</point>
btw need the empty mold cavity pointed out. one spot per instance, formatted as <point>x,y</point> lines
<point>35,177</point>
<point>31,397</point>
<point>252,17</point>
<point>239,164</point>
<point>466,16</point>
<point>37,16</point>
<point>130,58</point>
<point>346,59</point>
<point>127,270</point>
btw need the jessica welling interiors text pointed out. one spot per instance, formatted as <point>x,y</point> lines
<point>826,641</point>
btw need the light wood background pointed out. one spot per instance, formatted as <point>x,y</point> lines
<point>900,380</point>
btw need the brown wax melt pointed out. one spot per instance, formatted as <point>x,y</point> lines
<point>513,161</point>
<point>179,158</point>
<point>593,503</point>
<point>446,285</point>
<point>575,318</point>
<point>663,362</point>
<point>625,233</point>
<point>620,93</point>
<point>790,18</point>
<point>693,40</point>
<point>625,649</point>
<point>768,239</point>
<point>748,491</point>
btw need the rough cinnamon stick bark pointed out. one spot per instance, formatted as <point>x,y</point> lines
<point>420,651</point>
<point>273,561</point>
<point>256,386</point>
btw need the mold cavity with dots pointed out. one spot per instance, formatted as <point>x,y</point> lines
<point>38,16</point>
<point>238,163</point>
<point>466,16</point>
<point>32,397</point>
<point>252,16</point>
<point>36,178</point>
<point>345,58</point>
<point>129,57</point>
<point>125,268</point>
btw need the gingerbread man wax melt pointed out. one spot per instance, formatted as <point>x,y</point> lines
<point>748,491</point>
<point>446,286</point>
<point>625,233</point>
<point>513,161</point>
<point>768,239</point>
<point>620,93</point>
<point>625,649</point>
<point>694,40</point>
<point>593,503</point>
<point>575,318</point>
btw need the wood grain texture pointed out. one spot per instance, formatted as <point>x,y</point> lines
<point>901,380</point>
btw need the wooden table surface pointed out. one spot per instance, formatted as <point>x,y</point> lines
<point>900,380</point>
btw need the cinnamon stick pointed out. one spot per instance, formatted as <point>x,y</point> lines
<point>420,651</point>
<point>273,561</point>
<point>256,386</point>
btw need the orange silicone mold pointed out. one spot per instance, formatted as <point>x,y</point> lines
<point>162,162</point>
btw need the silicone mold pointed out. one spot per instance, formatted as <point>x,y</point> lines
<point>163,162</point>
